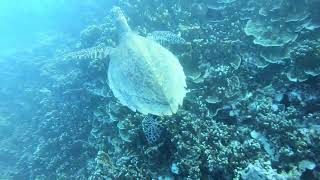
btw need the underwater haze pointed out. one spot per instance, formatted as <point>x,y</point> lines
<point>28,23</point>
<point>160,89</point>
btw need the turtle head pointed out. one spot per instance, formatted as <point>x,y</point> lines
<point>120,20</point>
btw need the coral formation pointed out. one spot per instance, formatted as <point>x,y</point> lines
<point>305,58</point>
<point>90,35</point>
<point>266,34</point>
<point>280,27</point>
<point>251,111</point>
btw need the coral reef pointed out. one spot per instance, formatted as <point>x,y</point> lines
<point>90,35</point>
<point>305,58</point>
<point>252,110</point>
<point>281,28</point>
<point>266,34</point>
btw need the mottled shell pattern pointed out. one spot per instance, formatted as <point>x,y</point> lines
<point>143,75</point>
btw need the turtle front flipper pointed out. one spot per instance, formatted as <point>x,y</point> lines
<point>166,38</point>
<point>90,53</point>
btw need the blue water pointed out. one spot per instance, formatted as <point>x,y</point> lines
<point>27,23</point>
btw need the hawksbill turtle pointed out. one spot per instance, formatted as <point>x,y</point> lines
<point>143,75</point>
